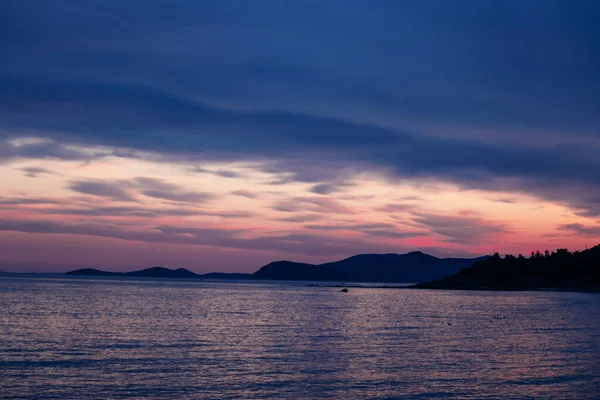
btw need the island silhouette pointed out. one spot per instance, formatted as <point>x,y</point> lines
<point>160,272</point>
<point>559,270</point>
<point>400,268</point>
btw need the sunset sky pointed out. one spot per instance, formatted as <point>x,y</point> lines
<point>221,135</point>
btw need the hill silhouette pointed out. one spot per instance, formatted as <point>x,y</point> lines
<point>293,271</point>
<point>411,267</point>
<point>562,269</point>
<point>154,272</point>
<point>161,272</point>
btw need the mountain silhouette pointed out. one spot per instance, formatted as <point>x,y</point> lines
<point>293,271</point>
<point>411,267</point>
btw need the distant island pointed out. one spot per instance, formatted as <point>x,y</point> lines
<point>560,270</point>
<point>160,272</point>
<point>389,268</point>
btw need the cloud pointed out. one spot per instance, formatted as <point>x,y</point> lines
<point>361,226</point>
<point>228,214</point>
<point>395,207</point>
<point>117,211</point>
<point>589,208</point>
<point>161,189</point>
<point>34,172</point>
<point>329,187</point>
<point>459,229</point>
<point>316,100</point>
<point>36,148</point>
<point>373,229</point>
<point>456,78</point>
<point>18,201</point>
<point>84,208</point>
<point>581,230</point>
<point>151,187</point>
<point>298,243</point>
<point>393,233</point>
<point>410,198</point>
<point>506,200</point>
<point>223,173</point>
<point>245,193</point>
<point>116,190</point>
<point>304,146</point>
<point>323,205</point>
<point>302,218</point>
<point>183,197</point>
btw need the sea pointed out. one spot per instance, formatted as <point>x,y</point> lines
<point>86,338</point>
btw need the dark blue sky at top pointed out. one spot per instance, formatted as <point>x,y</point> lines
<point>486,94</point>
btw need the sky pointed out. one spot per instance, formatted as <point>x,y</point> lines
<point>222,135</point>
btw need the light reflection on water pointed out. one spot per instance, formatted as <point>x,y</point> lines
<point>82,338</point>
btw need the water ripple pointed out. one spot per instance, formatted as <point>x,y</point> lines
<point>89,339</point>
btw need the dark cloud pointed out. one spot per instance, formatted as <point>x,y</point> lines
<point>410,198</point>
<point>303,218</point>
<point>245,193</point>
<point>228,214</point>
<point>18,201</point>
<point>363,226</point>
<point>330,187</point>
<point>223,173</point>
<point>589,208</point>
<point>117,191</point>
<point>395,208</point>
<point>459,229</point>
<point>123,190</point>
<point>34,172</point>
<point>184,197</point>
<point>581,230</point>
<point>319,89</point>
<point>468,62</point>
<point>506,200</point>
<point>161,189</point>
<point>325,174</point>
<point>323,205</point>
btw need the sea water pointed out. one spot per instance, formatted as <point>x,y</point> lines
<point>131,339</point>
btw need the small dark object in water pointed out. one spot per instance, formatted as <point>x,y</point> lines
<point>344,290</point>
<point>449,323</point>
